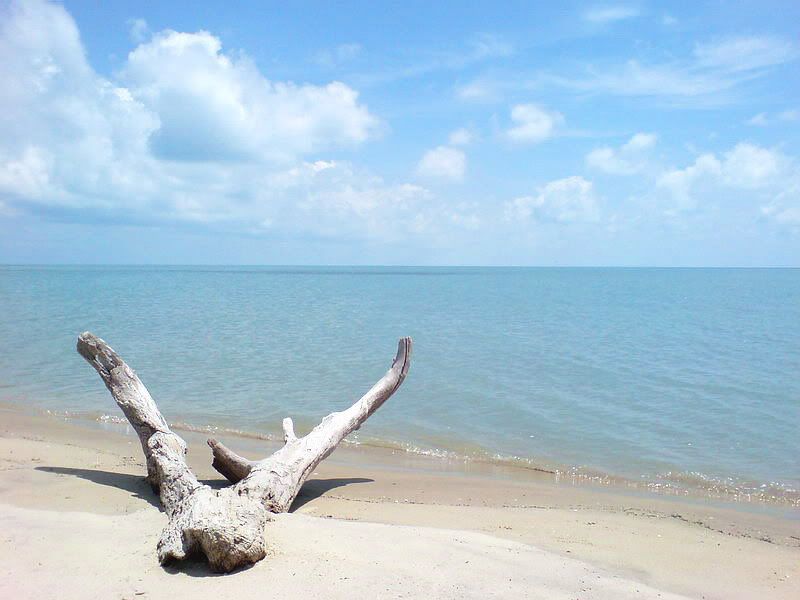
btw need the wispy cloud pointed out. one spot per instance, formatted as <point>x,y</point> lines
<point>711,69</point>
<point>707,75</point>
<point>744,54</point>
<point>138,30</point>
<point>332,57</point>
<point>792,114</point>
<point>609,14</point>
<point>764,119</point>
<point>461,137</point>
<point>668,20</point>
<point>481,48</point>
<point>478,90</point>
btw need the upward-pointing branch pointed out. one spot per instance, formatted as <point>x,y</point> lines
<point>227,525</point>
<point>163,450</point>
<point>289,467</point>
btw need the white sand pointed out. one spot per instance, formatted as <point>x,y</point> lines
<point>47,554</point>
<point>77,521</point>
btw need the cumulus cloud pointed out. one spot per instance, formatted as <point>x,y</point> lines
<point>186,132</point>
<point>532,123</point>
<point>745,165</point>
<point>443,162</point>
<point>628,159</point>
<point>215,106</point>
<point>567,200</point>
<point>761,174</point>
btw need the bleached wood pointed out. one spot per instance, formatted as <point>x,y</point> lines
<point>288,431</point>
<point>278,478</point>
<point>227,525</point>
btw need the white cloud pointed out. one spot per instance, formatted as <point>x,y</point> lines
<point>486,45</point>
<point>763,119</point>
<point>784,207</point>
<point>443,162</point>
<point>214,106</point>
<point>533,123</point>
<point>342,53</point>
<point>610,14</point>
<point>461,137</point>
<point>629,159</point>
<point>751,166</point>
<point>745,53</point>
<point>679,182</point>
<point>478,49</point>
<point>712,70</point>
<point>567,200</point>
<point>640,141</point>
<point>187,133</point>
<point>785,216</point>
<point>668,20</point>
<point>477,91</point>
<point>138,30</point>
<point>755,171</point>
<point>28,175</point>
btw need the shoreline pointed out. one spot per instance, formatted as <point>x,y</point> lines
<point>749,496</point>
<point>689,547</point>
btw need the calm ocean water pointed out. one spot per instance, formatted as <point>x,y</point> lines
<point>677,377</point>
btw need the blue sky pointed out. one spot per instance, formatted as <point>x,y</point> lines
<point>519,133</point>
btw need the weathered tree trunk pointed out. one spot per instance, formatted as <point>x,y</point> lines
<point>227,525</point>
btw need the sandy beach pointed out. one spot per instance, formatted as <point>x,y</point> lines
<point>78,521</point>
<point>423,300</point>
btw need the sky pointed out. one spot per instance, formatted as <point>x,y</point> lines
<point>400,133</point>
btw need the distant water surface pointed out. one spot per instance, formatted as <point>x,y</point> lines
<point>668,377</point>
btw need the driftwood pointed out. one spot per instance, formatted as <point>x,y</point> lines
<point>227,525</point>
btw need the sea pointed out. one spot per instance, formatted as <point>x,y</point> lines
<point>675,380</point>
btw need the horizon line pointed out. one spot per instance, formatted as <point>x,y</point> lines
<point>397,266</point>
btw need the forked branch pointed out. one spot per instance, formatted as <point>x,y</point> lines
<point>227,525</point>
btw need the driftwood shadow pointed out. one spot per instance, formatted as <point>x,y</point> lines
<point>194,566</point>
<point>135,484</point>
<point>314,488</point>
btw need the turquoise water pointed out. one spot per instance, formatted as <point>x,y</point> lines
<point>668,377</point>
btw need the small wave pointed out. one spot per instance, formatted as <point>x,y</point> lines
<point>727,488</point>
<point>112,419</point>
<point>674,483</point>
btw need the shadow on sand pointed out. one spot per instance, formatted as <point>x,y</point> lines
<point>138,487</point>
<point>135,484</point>
<point>314,488</point>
